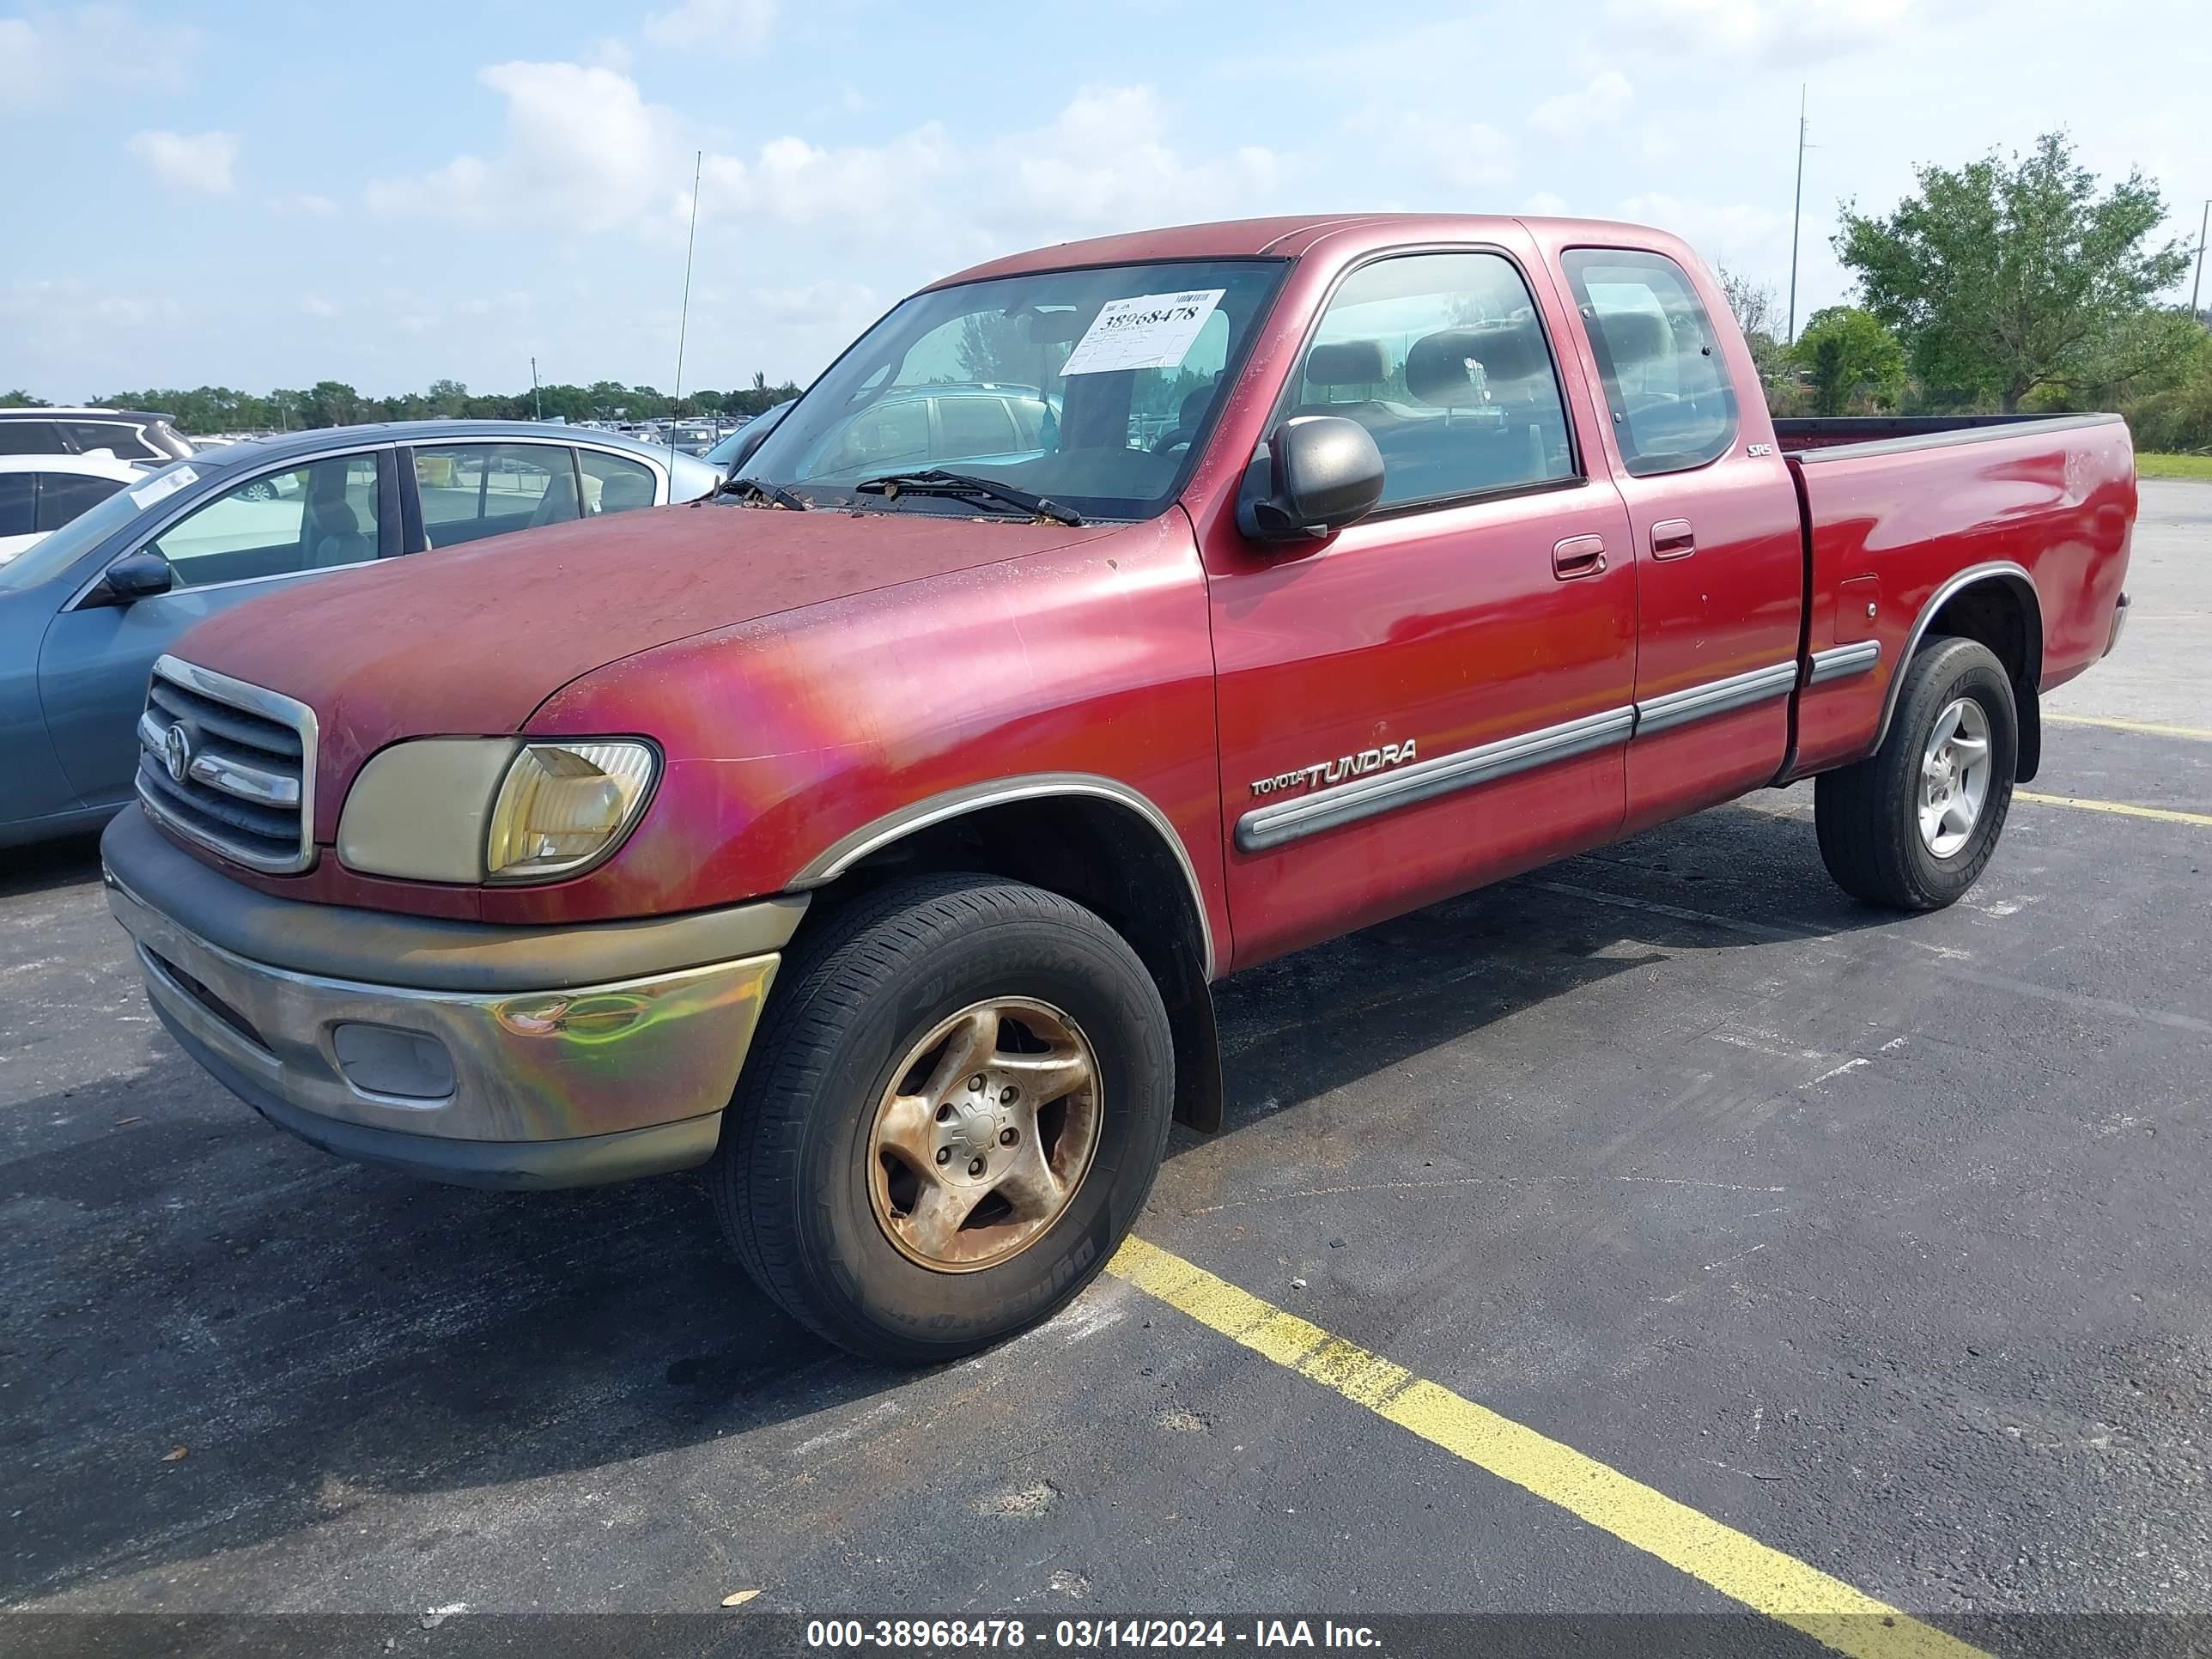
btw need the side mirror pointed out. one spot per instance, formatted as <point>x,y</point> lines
<point>1323,473</point>
<point>135,576</point>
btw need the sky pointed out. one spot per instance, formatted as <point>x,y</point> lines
<point>261,194</point>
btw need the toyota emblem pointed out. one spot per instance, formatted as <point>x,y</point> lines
<point>177,753</point>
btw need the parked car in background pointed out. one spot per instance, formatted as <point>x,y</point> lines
<point>40,493</point>
<point>84,612</point>
<point>872,836</point>
<point>127,435</point>
<point>731,454</point>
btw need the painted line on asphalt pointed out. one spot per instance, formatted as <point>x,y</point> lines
<point>2163,814</point>
<point>2151,726</point>
<point>1780,1586</point>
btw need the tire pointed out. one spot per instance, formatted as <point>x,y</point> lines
<point>1869,815</point>
<point>807,1187</point>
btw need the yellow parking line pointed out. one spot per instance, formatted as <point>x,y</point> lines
<point>2163,814</point>
<point>2155,730</point>
<point>1780,1586</point>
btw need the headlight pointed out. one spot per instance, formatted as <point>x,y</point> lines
<point>477,809</point>
<point>563,806</point>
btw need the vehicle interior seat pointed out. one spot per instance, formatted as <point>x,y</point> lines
<point>624,490</point>
<point>1339,363</point>
<point>1673,390</point>
<point>1189,417</point>
<point>558,504</point>
<point>330,534</point>
<point>1503,424</point>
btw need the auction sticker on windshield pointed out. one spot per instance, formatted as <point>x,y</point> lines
<point>163,487</point>
<point>1148,330</point>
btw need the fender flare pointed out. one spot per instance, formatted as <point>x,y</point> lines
<point>850,848</point>
<point>2004,570</point>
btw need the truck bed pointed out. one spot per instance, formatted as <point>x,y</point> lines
<point>1898,520</point>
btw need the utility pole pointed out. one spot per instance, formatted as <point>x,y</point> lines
<point>683,317</point>
<point>2198,287</point>
<point>537,409</point>
<point>1797,216</point>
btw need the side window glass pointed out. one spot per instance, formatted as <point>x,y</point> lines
<point>317,517</point>
<point>63,496</point>
<point>615,484</point>
<point>18,491</point>
<point>125,442</point>
<point>471,491</point>
<point>1667,385</point>
<point>882,436</point>
<point>975,427</point>
<point>31,437</point>
<point>1441,357</point>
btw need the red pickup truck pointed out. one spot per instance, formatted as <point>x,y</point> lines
<point>1107,619</point>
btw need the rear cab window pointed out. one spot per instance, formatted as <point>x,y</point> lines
<point>1667,385</point>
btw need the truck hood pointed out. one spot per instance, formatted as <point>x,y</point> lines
<point>469,641</point>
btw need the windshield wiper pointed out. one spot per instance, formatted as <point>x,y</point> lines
<point>760,489</point>
<point>938,482</point>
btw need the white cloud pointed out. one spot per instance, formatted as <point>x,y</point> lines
<point>1545,205</point>
<point>1773,31</point>
<point>1461,155</point>
<point>1742,235</point>
<point>582,149</point>
<point>48,58</point>
<point>306,201</point>
<point>1599,104</point>
<point>316,306</point>
<point>200,162</point>
<point>732,26</point>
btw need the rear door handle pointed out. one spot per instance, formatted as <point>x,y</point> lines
<point>1672,538</point>
<point>1578,556</point>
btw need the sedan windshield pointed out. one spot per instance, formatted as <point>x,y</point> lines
<point>1094,388</point>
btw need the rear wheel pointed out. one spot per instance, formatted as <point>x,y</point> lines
<point>1912,826</point>
<point>951,1115</point>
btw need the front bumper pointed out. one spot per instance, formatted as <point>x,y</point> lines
<point>485,1055</point>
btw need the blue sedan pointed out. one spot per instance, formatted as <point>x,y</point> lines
<point>84,612</point>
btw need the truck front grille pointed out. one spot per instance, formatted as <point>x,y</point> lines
<point>230,765</point>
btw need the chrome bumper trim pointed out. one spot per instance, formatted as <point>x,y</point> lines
<point>527,1066</point>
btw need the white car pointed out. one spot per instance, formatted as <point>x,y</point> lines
<point>40,493</point>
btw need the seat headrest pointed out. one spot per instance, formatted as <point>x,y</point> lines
<point>1194,405</point>
<point>1439,369</point>
<point>1636,336</point>
<point>1348,362</point>
<point>623,491</point>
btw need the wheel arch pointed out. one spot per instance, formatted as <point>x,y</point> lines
<point>1997,604</point>
<point>1090,839</point>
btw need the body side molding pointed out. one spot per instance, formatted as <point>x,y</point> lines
<point>1269,827</point>
<point>1842,661</point>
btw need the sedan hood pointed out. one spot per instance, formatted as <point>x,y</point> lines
<point>470,641</point>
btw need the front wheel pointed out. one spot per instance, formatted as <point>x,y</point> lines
<point>1912,826</point>
<point>951,1115</point>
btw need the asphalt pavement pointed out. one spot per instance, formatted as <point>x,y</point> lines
<point>1879,1242</point>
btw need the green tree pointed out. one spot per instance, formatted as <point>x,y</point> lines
<point>20,398</point>
<point>2006,277</point>
<point>1848,355</point>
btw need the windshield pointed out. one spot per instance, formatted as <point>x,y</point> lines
<point>57,552</point>
<point>1094,387</point>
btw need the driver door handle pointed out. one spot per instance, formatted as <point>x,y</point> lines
<point>1673,539</point>
<point>1578,556</point>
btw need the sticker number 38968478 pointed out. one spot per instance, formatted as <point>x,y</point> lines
<point>1147,330</point>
